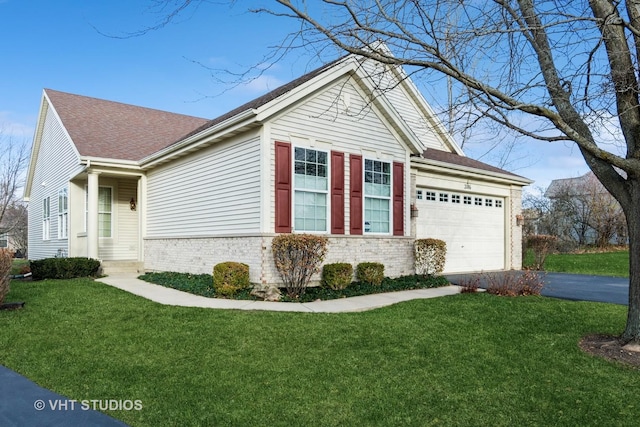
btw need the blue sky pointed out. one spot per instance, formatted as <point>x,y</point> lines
<point>59,45</point>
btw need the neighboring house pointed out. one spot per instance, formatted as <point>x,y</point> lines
<point>360,159</point>
<point>583,211</point>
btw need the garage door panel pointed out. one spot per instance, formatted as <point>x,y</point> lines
<point>475,235</point>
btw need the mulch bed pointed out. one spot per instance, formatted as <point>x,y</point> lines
<point>11,305</point>
<point>610,348</point>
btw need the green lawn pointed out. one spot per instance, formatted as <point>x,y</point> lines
<point>600,264</point>
<point>470,359</point>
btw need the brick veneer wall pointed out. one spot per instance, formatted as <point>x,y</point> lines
<point>199,255</point>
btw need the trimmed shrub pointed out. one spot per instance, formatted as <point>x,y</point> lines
<point>297,257</point>
<point>337,276</point>
<point>541,244</point>
<point>64,268</point>
<point>6,262</point>
<point>430,256</point>
<point>230,277</point>
<point>370,272</point>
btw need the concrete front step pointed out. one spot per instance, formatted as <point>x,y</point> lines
<point>116,267</point>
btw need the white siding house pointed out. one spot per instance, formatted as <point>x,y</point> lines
<point>330,153</point>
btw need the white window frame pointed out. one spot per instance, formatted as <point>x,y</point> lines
<point>376,196</point>
<point>444,197</point>
<point>300,191</point>
<point>86,210</point>
<point>63,213</point>
<point>498,203</point>
<point>4,240</point>
<point>101,213</point>
<point>46,218</point>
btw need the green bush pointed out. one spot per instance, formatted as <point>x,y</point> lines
<point>64,268</point>
<point>230,277</point>
<point>430,256</point>
<point>297,257</point>
<point>370,272</point>
<point>337,276</point>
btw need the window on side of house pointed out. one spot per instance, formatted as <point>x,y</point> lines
<point>46,218</point>
<point>63,214</point>
<point>4,240</point>
<point>105,208</point>
<point>377,196</point>
<point>311,186</point>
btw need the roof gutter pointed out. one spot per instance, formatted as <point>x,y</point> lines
<point>466,171</point>
<point>238,121</point>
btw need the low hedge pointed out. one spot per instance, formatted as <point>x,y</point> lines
<point>370,272</point>
<point>64,268</point>
<point>337,276</point>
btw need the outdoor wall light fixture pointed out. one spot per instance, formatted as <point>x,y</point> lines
<point>132,204</point>
<point>414,211</point>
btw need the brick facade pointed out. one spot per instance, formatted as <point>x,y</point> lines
<point>199,255</point>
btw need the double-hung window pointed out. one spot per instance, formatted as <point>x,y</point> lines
<point>311,185</point>
<point>105,207</point>
<point>377,196</point>
<point>46,218</point>
<point>63,214</point>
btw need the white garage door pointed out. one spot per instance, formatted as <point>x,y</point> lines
<point>472,225</point>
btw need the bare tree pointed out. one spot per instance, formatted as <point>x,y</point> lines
<point>551,70</point>
<point>13,161</point>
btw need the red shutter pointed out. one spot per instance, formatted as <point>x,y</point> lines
<point>355,196</point>
<point>337,192</point>
<point>283,187</point>
<point>398,199</point>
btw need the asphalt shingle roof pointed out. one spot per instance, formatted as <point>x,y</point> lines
<point>114,130</point>
<point>455,159</point>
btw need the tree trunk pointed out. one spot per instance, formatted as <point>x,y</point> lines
<point>632,329</point>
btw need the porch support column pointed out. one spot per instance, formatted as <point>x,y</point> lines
<point>92,215</point>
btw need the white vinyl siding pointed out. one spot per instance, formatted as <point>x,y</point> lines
<point>213,192</point>
<point>56,161</point>
<point>311,185</point>
<point>401,100</point>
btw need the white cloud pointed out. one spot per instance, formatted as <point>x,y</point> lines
<point>13,128</point>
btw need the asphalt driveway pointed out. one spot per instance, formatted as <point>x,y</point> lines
<point>578,287</point>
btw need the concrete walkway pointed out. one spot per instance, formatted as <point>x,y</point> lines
<point>168,296</point>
